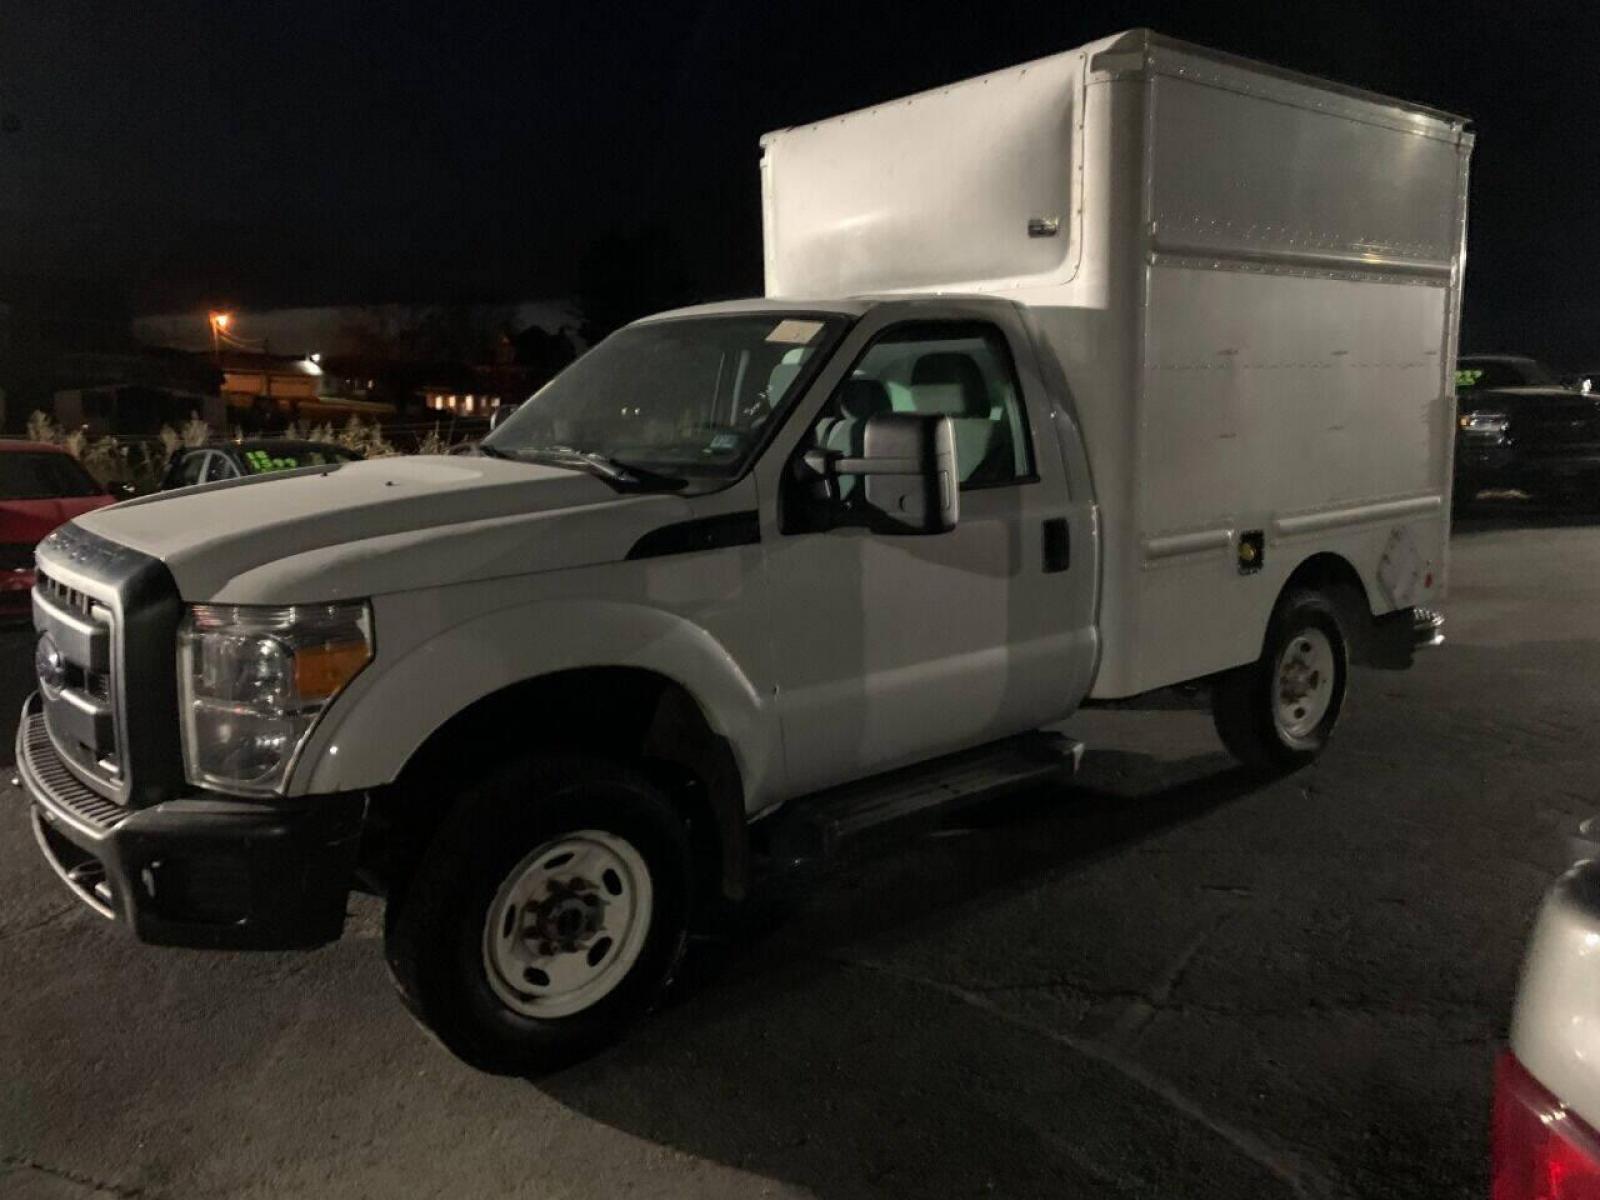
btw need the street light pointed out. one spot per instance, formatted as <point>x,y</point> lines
<point>219,326</point>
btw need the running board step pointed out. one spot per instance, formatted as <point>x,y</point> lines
<point>919,797</point>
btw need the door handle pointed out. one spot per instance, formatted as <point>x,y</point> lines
<point>1057,545</point>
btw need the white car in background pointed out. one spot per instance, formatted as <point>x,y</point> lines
<point>1546,1125</point>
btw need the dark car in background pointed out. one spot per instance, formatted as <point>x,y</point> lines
<point>1542,441</point>
<point>41,486</point>
<point>250,456</point>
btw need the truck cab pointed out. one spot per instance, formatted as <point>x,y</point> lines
<point>769,575</point>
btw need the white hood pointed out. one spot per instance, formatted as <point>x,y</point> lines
<point>356,529</point>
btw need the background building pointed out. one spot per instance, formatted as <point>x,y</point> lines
<point>67,349</point>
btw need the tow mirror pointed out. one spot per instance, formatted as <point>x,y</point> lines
<point>908,473</point>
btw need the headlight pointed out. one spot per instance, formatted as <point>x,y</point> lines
<point>253,681</point>
<point>1484,422</point>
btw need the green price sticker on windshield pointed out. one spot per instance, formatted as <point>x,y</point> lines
<point>262,461</point>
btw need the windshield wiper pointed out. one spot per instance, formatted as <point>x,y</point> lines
<point>493,451</point>
<point>611,469</point>
<point>644,475</point>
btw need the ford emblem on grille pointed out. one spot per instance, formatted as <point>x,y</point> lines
<point>49,665</point>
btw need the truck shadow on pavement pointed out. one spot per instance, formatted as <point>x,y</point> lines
<point>792,1048</point>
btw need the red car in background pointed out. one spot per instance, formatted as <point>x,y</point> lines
<point>41,486</point>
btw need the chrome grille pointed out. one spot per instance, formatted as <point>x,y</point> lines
<point>111,707</point>
<point>80,713</point>
<point>98,685</point>
<point>68,598</point>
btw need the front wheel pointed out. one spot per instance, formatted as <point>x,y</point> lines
<point>546,916</point>
<point>1277,714</point>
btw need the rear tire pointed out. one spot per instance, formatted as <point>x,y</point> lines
<point>1276,714</point>
<point>546,916</point>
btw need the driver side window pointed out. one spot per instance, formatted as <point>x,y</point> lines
<point>961,370</point>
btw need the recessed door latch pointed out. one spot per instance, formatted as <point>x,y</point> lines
<point>1044,226</point>
<point>1252,551</point>
<point>1057,545</point>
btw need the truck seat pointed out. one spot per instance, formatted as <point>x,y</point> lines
<point>951,384</point>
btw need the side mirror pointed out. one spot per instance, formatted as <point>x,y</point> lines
<point>908,472</point>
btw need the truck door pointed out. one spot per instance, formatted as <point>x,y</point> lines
<point>889,649</point>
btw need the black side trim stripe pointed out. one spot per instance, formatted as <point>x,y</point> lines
<point>702,533</point>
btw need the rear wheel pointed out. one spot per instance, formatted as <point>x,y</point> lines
<point>1278,713</point>
<point>546,916</point>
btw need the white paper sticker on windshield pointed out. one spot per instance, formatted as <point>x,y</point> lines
<point>794,333</point>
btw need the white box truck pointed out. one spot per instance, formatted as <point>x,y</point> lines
<point>1125,368</point>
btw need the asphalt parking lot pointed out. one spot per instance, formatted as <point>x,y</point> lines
<point>1162,981</point>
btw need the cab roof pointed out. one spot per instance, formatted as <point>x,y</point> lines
<point>847,306</point>
<point>852,307</point>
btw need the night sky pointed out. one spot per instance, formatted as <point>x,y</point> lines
<point>322,151</point>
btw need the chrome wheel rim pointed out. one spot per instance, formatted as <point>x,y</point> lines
<point>567,924</point>
<point>1302,685</point>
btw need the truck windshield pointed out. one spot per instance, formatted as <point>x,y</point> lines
<point>687,397</point>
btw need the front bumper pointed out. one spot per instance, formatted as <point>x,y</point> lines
<point>1483,464</point>
<point>1556,471</point>
<point>199,870</point>
<point>1529,469</point>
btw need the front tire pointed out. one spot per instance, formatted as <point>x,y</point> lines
<point>1277,714</point>
<point>546,916</point>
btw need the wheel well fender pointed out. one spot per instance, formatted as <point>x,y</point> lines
<point>1332,575</point>
<point>418,683</point>
<point>627,714</point>
<point>629,678</point>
